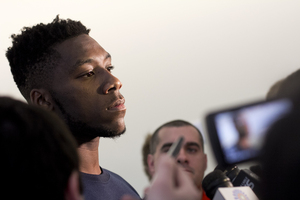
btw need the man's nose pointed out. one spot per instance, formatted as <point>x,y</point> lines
<point>182,157</point>
<point>112,84</point>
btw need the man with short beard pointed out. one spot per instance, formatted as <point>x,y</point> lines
<point>58,66</point>
<point>191,157</point>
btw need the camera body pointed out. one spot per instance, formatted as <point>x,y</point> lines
<point>237,133</point>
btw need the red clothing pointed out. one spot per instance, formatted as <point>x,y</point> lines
<point>204,197</point>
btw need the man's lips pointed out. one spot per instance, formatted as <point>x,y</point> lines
<point>187,169</point>
<point>118,105</point>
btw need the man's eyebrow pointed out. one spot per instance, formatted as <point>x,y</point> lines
<point>84,61</point>
<point>81,62</point>
<point>193,144</point>
<point>166,145</point>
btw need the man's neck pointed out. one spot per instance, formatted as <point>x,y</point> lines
<point>89,157</point>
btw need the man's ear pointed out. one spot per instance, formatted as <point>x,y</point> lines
<point>72,191</point>
<point>150,162</point>
<point>41,97</point>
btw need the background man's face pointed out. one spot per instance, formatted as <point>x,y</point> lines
<point>191,156</point>
<point>86,94</point>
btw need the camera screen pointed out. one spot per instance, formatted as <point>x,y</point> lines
<point>241,131</point>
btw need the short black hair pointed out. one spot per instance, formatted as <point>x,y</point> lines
<point>175,123</point>
<point>38,152</point>
<point>32,57</point>
<point>145,152</point>
<point>280,159</point>
<point>287,87</point>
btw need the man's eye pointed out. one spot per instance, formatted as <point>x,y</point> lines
<point>165,149</point>
<point>192,150</point>
<point>89,74</point>
<point>110,68</point>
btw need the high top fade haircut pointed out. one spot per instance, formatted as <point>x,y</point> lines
<point>32,56</point>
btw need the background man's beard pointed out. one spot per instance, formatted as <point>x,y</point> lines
<point>83,132</point>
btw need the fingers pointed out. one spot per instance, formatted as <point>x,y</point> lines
<point>186,189</point>
<point>165,168</point>
<point>171,183</point>
<point>162,182</point>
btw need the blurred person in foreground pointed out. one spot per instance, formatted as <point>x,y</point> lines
<point>281,157</point>
<point>38,154</point>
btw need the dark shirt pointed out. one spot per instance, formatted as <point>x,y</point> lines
<point>106,186</point>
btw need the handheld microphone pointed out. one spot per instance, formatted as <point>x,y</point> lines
<point>234,193</point>
<point>217,186</point>
<point>213,181</point>
<point>256,169</point>
<point>244,177</point>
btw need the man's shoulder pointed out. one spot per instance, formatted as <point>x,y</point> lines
<point>111,173</point>
<point>117,178</point>
<point>108,184</point>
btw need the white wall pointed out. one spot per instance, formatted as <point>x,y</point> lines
<point>176,59</point>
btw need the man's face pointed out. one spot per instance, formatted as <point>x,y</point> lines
<point>191,156</point>
<point>85,92</point>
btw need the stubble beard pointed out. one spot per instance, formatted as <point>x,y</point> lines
<point>84,132</point>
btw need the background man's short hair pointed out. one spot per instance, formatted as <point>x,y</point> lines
<point>145,152</point>
<point>175,123</point>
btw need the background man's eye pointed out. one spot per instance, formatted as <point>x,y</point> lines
<point>192,150</point>
<point>165,150</point>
